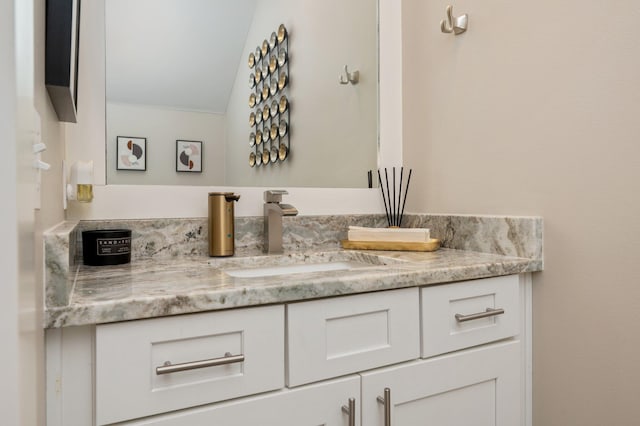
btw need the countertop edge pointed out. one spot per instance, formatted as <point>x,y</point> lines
<point>101,312</point>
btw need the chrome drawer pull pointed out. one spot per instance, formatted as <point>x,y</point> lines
<point>386,401</point>
<point>490,312</point>
<point>350,411</point>
<point>168,368</point>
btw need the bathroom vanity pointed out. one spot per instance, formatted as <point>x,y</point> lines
<point>392,338</point>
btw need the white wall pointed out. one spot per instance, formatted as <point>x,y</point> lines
<point>9,399</point>
<point>534,111</point>
<point>334,135</point>
<point>49,214</point>
<point>162,127</point>
<point>22,386</point>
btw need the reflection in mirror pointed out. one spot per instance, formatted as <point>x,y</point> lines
<point>177,70</point>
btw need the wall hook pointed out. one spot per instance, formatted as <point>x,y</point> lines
<point>350,77</point>
<point>456,25</point>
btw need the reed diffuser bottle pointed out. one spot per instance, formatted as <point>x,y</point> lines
<point>394,203</point>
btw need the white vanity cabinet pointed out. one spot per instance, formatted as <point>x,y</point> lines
<point>318,404</point>
<point>449,355</point>
<point>479,387</point>
<point>467,314</point>
<point>476,381</point>
<point>333,337</point>
<point>170,363</point>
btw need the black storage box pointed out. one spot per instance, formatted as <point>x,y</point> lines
<point>106,247</point>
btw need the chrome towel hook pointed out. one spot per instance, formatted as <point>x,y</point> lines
<point>350,77</point>
<point>456,25</point>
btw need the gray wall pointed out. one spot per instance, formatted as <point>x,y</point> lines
<point>23,387</point>
<point>9,400</point>
<point>162,127</point>
<point>333,126</point>
<point>534,111</point>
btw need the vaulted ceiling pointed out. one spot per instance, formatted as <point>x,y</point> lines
<point>181,54</point>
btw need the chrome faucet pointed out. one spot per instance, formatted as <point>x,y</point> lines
<point>273,212</point>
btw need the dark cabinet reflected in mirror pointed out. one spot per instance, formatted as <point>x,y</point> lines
<point>61,57</point>
<point>177,70</point>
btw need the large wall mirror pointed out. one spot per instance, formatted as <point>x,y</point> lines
<point>177,70</point>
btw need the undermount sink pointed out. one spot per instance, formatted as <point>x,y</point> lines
<point>298,263</point>
<point>293,269</point>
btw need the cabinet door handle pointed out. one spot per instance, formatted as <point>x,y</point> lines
<point>386,401</point>
<point>490,312</point>
<point>350,411</point>
<point>168,368</point>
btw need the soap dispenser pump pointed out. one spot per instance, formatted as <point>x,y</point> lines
<point>221,223</point>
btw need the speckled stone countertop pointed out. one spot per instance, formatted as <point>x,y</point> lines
<point>154,286</point>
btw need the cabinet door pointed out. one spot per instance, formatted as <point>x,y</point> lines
<point>314,405</point>
<point>334,337</point>
<point>443,331</point>
<point>130,356</point>
<point>479,387</point>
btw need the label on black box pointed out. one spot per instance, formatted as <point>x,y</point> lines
<point>113,246</point>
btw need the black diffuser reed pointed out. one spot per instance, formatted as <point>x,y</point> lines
<point>394,207</point>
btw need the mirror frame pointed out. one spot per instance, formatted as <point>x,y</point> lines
<point>85,140</point>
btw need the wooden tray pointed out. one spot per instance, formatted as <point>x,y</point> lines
<point>432,245</point>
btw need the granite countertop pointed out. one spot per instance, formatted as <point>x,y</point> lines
<point>151,287</point>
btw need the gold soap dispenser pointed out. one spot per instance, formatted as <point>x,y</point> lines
<point>221,226</point>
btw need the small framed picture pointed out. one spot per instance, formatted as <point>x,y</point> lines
<point>188,156</point>
<point>132,153</point>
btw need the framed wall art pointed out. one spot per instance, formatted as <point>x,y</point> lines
<point>132,153</point>
<point>188,156</point>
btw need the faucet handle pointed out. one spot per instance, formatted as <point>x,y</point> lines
<point>274,195</point>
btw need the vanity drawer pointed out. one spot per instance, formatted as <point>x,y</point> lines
<point>333,337</point>
<point>448,320</point>
<point>129,385</point>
